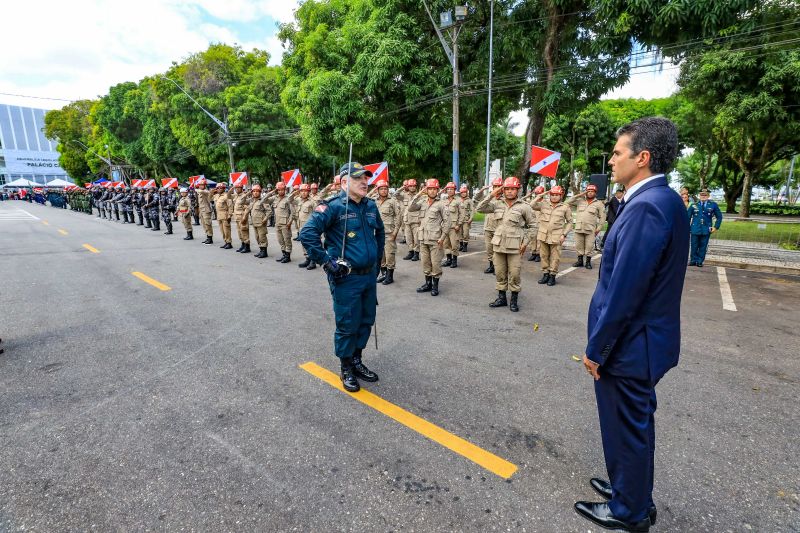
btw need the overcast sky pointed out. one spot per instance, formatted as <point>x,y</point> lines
<point>79,48</point>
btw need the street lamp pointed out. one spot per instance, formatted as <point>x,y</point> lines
<point>604,161</point>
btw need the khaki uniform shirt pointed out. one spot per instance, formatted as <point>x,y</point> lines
<point>240,203</point>
<point>259,210</point>
<point>591,215</point>
<point>456,207</point>
<point>409,217</point>
<point>434,219</point>
<point>305,208</point>
<point>224,206</point>
<point>469,209</point>
<point>489,223</point>
<point>283,210</point>
<point>554,221</point>
<point>391,212</point>
<point>204,201</point>
<point>510,232</point>
<point>184,206</point>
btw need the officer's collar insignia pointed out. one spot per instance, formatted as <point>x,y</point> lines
<point>351,234</point>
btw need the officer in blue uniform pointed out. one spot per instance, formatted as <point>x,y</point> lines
<point>352,219</point>
<point>701,214</point>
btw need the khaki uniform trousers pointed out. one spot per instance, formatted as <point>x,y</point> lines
<point>284,237</point>
<point>187,221</point>
<point>487,238</point>
<point>389,252</point>
<point>452,241</point>
<point>551,257</point>
<point>225,228</point>
<point>431,256</point>
<point>507,268</point>
<point>205,219</point>
<point>465,231</point>
<point>412,240</point>
<point>584,243</point>
<point>243,227</point>
<point>261,236</point>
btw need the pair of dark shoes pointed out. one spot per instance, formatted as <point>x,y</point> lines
<point>354,369</point>
<point>693,264</point>
<point>548,279</point>
<point>600,512</point>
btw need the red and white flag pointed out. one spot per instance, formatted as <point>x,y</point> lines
<point>149,183</point>
<point>136,183</point>
<point>292,177</point>
<point>544,161</point>
<point>380,171</point>
<point>238,179</point>
<point>70,187</point>
<point>194,179</point>
<point>108,184</point>
<point>169,183</point>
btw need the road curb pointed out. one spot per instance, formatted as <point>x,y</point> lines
<point>753,267</point>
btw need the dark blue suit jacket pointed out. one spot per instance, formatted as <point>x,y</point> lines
<point>634,317</point>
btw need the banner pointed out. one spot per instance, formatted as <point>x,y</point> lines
<point>544,161</point>
<point>292,177</point>
<point>169,183</point>
<point>136,183</point>
<point>194,179</point>
<point>380,171</point>
<point>238,179</point>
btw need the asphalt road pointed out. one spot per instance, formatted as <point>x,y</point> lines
<point>125,407</point>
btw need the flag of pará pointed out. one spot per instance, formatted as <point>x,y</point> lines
<point>136,183</point>
<point>107,184</point>
<point>119,184</point>
<point>292,177</point>
<point>87,185</point>
<point>169,183</point>
<point>149,183</point>
<point>238,179</point>
<point>380,171</point>
<point>194,179</point>
<point>544,161</point>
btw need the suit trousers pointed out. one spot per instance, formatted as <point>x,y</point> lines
<point>487,239</point>
<point>699,245</point>
<point>284,237</point>
<point>551,257</point>
<point>389,252</point>
<point>431,256</point>
<point>626,408</point>
<point>261,235</point>
<point>243,228</point>
<point>584,243</point>
<point>452,241</point>
<point>205,219</point>
<point>225,228</point>
<point>507,269</point>
<point>412,239</point>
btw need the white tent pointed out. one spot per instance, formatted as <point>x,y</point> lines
<point>58,183</point>
<point>22,182</point>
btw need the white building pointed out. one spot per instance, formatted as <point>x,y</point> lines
<point>24,150</point>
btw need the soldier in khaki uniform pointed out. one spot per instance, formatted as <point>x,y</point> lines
<point>241,200</point>
<point>391,212</point>
<point>452,241</point>
<point>555,223</point>
<point>223,205</point>
<point>411,220</point>
<point>589,220</point>
<point>185,213</point>
<point>315,195</point>
<point>469,212</point>
<point>204,207</point>
<point>435,222</point>
<point>305,208</point>
<point>510,239</point>
<point>534,230</point>
<point>489,222</point>
<point>259,211</point>
<point>282,204</point>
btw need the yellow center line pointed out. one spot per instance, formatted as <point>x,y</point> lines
<point>46,223</point>
<point>91,249</point>
<point>63,232</point>
<point>147,279</point>
<point>489,461</point>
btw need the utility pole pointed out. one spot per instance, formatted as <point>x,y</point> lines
<point>489,107</point>
<point>789,182</point>
<point>456,137</point>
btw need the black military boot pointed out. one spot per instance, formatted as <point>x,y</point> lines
<point>287,258</point>
<point>500,301</point>
<point>147,223</point>
<point>532,257</point>
<point>169,228</point>
<point>545,278</point>
<point>427,286</point>
<point>349,381</point>
<point>281,258</point>
<point>305,263</point>
<point>246,248</point>
<point>416,256</point>
<point>311,266</point>
<point>435,287</point>
<point>389,276</point>
<point>449,261</point>
<point>240,248</point>
<point>489,269</point>
<point>262,252</point>
<point>227,246</point>
<point>189,236</point>
<point>466,245</point>
<point>208,240</point>
<point>196,220</point>
<point>537,258</point>
<point>514,306</point>
<point>381,275</point>
<point>141,221</point>
<point>579,262</point>
<point>409,255</point>
<point>361,371</point>
<point>454,263</point>
<point>588,262</point>
<point>552,280</point>
<point>156,225</point>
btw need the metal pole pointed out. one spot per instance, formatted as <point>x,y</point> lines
<point>454,34</point>
<point>489,106</point>
<point>789,182</point>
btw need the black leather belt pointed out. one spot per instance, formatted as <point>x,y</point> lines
<point>362,271</point>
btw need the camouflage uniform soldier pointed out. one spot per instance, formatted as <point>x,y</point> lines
<point>305,208</point>
<point>127,206</point>
<point>432,231</point>
<point>185,213</point>
<point>138,201</point>
<point>259,212</point>
<point>96,195</point>
<point>489,222</point>
<point>469,211</point>
<point>589,220</point>
<point>555,223</point>
<point>224,208</point>
<point>151,207</point>
<point>391,213</point>
<point>115,200</point>
<point>167,204</point>
<point>510,240</point>
<point>195,205</point>
<point>452,241</point>
<point>241,199</point>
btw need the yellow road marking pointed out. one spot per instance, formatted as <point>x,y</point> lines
<point>91,249</point>
<point>487,460</point>
<point>63,232</point>
<point>147,279</point>
<point>46,223</point>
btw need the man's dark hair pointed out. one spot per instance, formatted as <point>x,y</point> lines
<point>657,135</point>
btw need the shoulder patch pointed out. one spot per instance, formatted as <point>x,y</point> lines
<point>321,208</point>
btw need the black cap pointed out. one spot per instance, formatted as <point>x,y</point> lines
<point>354,169</point>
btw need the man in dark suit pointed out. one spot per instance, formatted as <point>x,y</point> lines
<point>634,320</point>
<point>611,212</point>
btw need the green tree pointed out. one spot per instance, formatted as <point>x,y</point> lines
<point>70,126</point>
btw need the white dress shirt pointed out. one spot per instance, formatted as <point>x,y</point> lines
<point>629,192</point>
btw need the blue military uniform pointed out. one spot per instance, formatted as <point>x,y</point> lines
<point>354,295</point>
<point>701,216</point>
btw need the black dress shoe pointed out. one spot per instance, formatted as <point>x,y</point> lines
<point>601,514</point>
<point>603,488</point>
